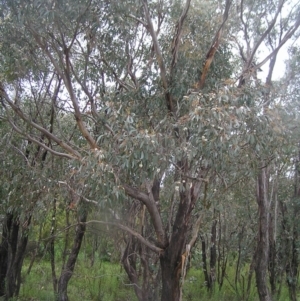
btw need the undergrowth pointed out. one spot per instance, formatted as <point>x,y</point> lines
<point>106,281</point>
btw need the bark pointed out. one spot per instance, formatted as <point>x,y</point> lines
<point>214,47</point>
<point>4,251</point>
<point>129,263</point>
<point>67,238</point>
<point>16,254</point>
<point>250,274</point>
<point>210,275</point>
<point>204,263</point>
<point>213,252</point>
<point>273,255</point>
<point>143,279</point>
<point>12,249</point>
<point>36,250</point>
<point>170,279</point>
<point>171,261</point>
<point>138,259</point>
<point>283,252</point>
<point>292,270</point>
<point>293,262</point>
<point>222,258</point>
<point>68,269</point>
<point>238,263</point>
<point>172,251</point>
<point>272,266</point>
<point>262,250</point>
<point>52,250</point>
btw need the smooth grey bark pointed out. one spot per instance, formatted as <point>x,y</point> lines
<point>262,249</point>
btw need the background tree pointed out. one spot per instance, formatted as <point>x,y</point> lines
<point>162,117</point>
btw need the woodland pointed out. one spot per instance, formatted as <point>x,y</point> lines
<point>150,150</point>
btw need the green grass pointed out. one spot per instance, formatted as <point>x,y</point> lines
<point>103,282</point>
<point>195,289</point>
<point>107,281</point>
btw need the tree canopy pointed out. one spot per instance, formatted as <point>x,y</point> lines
<point>153,108</point>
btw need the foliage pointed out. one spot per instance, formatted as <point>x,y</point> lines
<point>150,115</point>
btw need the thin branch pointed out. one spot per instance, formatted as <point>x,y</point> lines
<point>79,194</point>
<point>214,47</point>
<point>136,194</point>
<point>21,153</point>
<point>152,209</point>
<point>49,135</point>
<point>159,58</point>
<point>176,38</point>
<point>91,99</point>
<point>130,231</point>
<point>137,19</point>
<point>245,31</point>
<point>30,138</point>
<point>287,36</point>
<point>264,35</point>
<point>65,75</point>
<point>78,116</point>
<point>122,83</point>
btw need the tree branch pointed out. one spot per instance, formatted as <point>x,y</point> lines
<point>159,58</point>
<point>137,19</point>
<point>286,37</point>
<point>263,36</point>
<point>195,231</point>
<point>150,203</point>
<point>49,135</point>
<point>91,141</point>
<point>214,47</point>
<point>130,231</point>
<point>43,145</point>
<point>176,38</point>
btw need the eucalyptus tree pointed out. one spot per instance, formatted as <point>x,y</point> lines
<point>22,192</point>
<point>288,190</point>
<point>158,116</point>
<point>263,24</point>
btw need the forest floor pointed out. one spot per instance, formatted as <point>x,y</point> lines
<point>106,281</point>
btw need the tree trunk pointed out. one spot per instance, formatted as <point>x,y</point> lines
<point>293,262</point>
<point>213,252</point>
<point>52,245</point>
<point>67,238</point>
<point>12,249</point>
<point>36,250</point>
<point>137,259</point>
<point>15,257</point>
<point>4,251</point>
<point>68,269</point>
<point>170,278</point>
<point>174,248</point>
<point>262,250</point>
<point>272,267</point>
<point>143,279</point>
<point>204,263</point>
<point>250,274</point>
<point>174,256</point>
<point>292,271</point>
<point>222,258</point>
